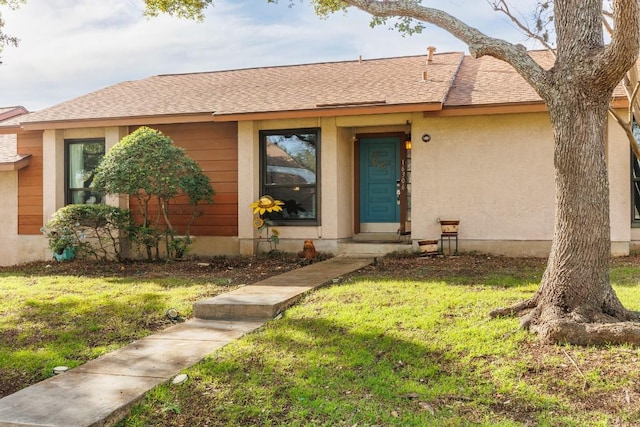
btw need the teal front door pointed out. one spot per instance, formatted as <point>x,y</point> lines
<point>379,178</point>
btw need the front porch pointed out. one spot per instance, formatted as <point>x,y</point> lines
<point>374,244</point>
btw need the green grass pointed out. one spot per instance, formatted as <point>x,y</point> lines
<point>369,351</point>
<point>47,321</point>
<point>406,353</point>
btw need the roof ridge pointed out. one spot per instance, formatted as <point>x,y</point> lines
<point>452,81</point>
<point>268,67</point>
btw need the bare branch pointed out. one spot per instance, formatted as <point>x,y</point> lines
<point>627,130</point>
<point>502,7</point>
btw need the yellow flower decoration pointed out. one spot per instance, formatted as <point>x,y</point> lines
<point>258,222</point>
<point>266,204</point>
<point>275,232</point>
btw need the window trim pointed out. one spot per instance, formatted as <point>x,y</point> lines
<point>67,144</point>
<point>635,129</point>
<point>635,223</point>
<point>263,169</point>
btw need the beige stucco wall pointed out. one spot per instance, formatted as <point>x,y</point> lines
<point>15,249</point>
<point>344,183</point>
<point>493,173</point>
<point>619,161</point>
<point>248,182</point>
<point>53,168</point>
<point>9,215</point>
<point>292,237</point>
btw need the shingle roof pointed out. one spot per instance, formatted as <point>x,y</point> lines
<point>392,81</point>
<point>486,81</point>
<point>8,149</point>
<point>8,154</point>
<point>9,112</point>
<point>453,80</point>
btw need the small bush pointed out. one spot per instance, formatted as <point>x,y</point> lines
<point>90,230</point>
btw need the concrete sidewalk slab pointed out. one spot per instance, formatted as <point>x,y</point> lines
<point>105,388</point>
<point>100,392</point>
<point>74,400</point>
<point>271,296</point>
<point>163,355</point>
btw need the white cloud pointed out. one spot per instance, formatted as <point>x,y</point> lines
<point>71,47</point>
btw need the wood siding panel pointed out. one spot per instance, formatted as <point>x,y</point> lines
<point>30,205</point>
<point>219,166</point>
<point>30,224</point>
<point>204,155</point>
<point>31,181</point>
<point>215,147</point>
<point>31,210</point>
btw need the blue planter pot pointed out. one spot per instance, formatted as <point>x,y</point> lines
<point>69,253</point>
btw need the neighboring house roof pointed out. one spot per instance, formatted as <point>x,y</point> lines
<point>449,84</point>
<point>8,112</point>
<point>9,159</point>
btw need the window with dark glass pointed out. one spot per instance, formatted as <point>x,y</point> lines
<point>635,179</point>
<point>82,156</point>
<point>289,173</point>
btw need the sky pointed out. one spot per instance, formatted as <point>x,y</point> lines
<point>72,47</point>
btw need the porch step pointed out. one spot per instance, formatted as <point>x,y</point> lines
<point>379,238</point>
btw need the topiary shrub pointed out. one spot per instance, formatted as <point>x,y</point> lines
<point>147,166</point>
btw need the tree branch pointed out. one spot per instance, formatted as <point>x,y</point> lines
<point>621,54</point>
<point>627,130</point>
<point>479,43</point>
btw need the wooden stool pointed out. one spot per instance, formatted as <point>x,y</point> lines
<point>448,236</point>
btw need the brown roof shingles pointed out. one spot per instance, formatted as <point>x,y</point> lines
<point>396,81</point>
<point>8,112</point>
<point>452,81</point>
<point>8,149</point>
<point>8,141</point>
<point>8,155</point>
<point>486,81</point>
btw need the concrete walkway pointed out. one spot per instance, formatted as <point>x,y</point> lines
<point>101,392</point>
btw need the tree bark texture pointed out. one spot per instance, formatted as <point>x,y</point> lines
<point>575,287</point>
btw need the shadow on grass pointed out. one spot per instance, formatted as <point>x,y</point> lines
<point>309,371</point>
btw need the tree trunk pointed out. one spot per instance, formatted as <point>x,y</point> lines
<point>575,298</point>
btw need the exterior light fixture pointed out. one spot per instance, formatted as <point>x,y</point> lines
<point>407,141</point>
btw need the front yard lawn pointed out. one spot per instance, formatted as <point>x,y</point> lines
<point>405,342</point>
